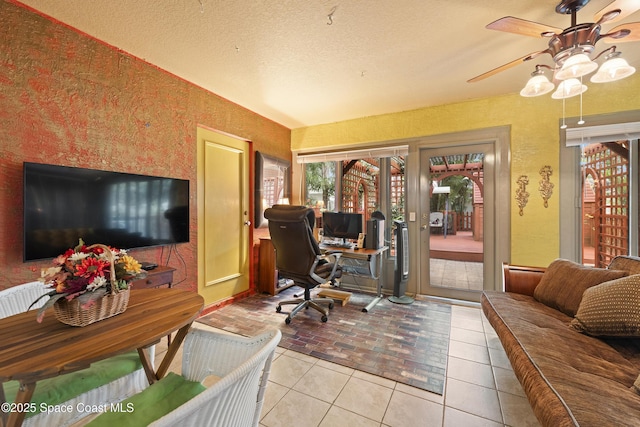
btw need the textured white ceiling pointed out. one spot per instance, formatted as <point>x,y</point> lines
<point>288,61</point>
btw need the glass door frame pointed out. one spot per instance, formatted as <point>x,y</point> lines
<point>497,241</point>
<point>488,219</point>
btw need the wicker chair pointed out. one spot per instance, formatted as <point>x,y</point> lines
<point>234,368</point>
<point>17,299</point>
<point>242,366</point>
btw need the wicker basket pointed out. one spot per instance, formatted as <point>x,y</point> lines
<point>72,313</point>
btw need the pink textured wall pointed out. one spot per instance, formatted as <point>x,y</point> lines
<point>71,100</point>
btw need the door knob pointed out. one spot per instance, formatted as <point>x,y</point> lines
<point>247,223</point>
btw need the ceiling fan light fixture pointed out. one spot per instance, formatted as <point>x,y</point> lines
<point>537,85</point>
<point>569,88</point>
<point>577,65</point>
<point>613,69</point>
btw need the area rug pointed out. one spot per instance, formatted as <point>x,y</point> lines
<point>404,343</point>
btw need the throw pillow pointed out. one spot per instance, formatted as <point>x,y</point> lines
<point>563,283</point>
<point>630,264</point>
<point>611,309</point>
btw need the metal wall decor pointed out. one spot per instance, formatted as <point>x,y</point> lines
<point>522,196</point>
<point>546,186</point>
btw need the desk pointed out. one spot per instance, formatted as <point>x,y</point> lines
<point>32,351</point>
<point>352,261</point>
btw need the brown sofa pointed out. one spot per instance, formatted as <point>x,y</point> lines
<point>570,378</point>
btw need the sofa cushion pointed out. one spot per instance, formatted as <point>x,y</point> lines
<point>564,282</point>
<point>611,308</point>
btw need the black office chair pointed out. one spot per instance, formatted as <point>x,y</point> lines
<point>299,258</point>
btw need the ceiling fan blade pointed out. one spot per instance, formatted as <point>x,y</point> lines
<point>506,66</point>
<point>633,36</point>
<point>523,27</point>
<point>627,7</point>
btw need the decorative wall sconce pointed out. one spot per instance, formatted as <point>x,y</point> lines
<point>546,186</point>
<point>522,196</point>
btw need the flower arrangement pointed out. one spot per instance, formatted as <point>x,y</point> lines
<point>85,273</point>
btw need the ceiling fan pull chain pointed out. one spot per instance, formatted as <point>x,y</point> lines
<point>581,122</point>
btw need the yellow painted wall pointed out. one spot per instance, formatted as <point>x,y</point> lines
<point>535,137</point>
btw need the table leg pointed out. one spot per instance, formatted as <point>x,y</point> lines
<point>376,275</point>
<point>147,364</point>
<point>25,392</point>
<point>372,304</point>
<point>176,342</point>
<point>3,415</point>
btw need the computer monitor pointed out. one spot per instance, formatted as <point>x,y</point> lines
<point>342,225</point>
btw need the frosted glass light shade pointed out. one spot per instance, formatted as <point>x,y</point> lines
<point>536,86</point>
<point>569,88</point>
<point>576,66</point>
<point>612,70</point>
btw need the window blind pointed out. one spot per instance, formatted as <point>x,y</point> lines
<point>334,156</point>
<point>604,133</point>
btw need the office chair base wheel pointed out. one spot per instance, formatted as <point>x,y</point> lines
<point>324,318</point>
<point>279,309</point>
<point>287,320</point>
<point>331,306</point>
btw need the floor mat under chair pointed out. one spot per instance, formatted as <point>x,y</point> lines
<point>403,343</point>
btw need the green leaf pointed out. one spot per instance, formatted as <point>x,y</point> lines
<point>80,245</point>
<point>55,297</point>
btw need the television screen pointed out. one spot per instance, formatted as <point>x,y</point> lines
<point>63,204</point>
<point>342,225</point>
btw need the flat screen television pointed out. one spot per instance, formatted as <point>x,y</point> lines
<point>342,225</point>
<point>63,204</point>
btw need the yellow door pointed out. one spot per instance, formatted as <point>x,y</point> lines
<point>223,215</point>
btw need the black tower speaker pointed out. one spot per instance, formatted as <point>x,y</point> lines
<point>375,234</point>
<point>401,273</point>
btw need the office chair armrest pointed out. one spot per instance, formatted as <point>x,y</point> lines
<point>324,256</point>
<point>331,253</point>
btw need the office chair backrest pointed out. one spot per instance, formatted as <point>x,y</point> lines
<point>292,237</point>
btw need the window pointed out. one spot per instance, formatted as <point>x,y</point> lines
<point>605,201</point>
<point>355,186</point>
<point>599,206</point>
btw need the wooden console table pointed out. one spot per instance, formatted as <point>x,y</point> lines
<point>159,276</point>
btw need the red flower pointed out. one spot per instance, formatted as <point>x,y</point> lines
<point>96,250</point>
<point>91,267</point>
<point>75,286</point>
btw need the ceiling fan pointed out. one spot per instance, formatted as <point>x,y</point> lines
<point>570,47</point>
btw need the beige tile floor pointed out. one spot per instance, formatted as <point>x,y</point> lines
<point>481,388</point>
